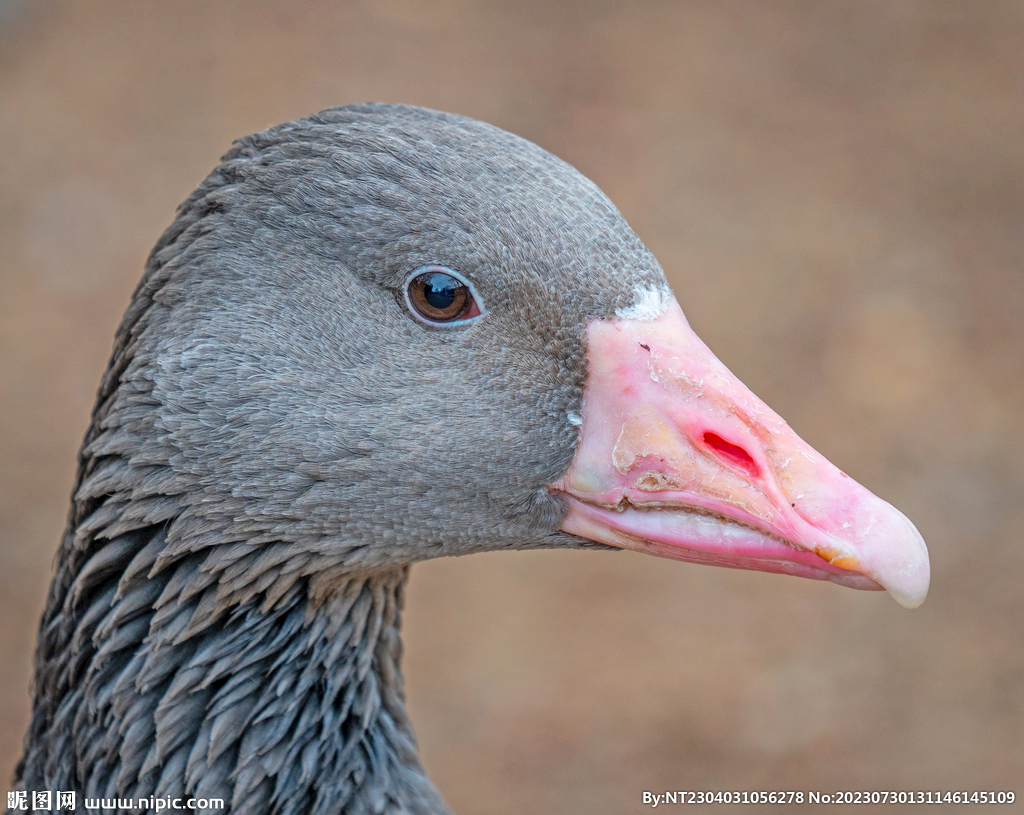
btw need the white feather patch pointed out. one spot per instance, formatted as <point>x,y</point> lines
<point>650,303</point>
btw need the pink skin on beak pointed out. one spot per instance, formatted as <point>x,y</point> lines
<point>678,459</point>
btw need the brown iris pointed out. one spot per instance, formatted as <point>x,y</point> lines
<point>441,298</point>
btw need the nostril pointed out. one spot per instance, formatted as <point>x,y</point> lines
<point>731,453</point>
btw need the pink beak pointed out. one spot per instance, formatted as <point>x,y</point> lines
<point>679,459</point>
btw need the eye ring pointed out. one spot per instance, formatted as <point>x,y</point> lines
<point>439,296</point>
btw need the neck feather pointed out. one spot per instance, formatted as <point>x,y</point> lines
<point>289,706</point>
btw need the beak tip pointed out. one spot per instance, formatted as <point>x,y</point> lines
<point>907,573</point>
<point>909,599</point>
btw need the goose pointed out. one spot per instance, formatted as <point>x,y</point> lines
<point>374,336</point>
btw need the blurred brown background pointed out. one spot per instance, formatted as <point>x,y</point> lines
<point>836,191</point>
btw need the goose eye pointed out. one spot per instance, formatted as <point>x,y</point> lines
<point>439,297</point>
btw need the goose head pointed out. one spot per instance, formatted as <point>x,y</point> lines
<point>388,334</point>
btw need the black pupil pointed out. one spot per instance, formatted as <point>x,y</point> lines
<point>439,290</point>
